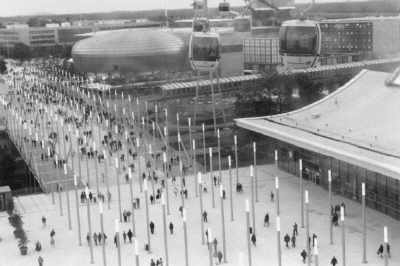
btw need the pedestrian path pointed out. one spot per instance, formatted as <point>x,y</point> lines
<point>264,252</point>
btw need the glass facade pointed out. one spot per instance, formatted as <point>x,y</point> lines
<point>298,40</point>
<point>261,51</point>
<point>383,192</point>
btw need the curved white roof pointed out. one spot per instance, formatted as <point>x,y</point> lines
<point>358,123</point>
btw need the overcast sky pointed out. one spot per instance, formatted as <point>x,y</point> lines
<point>28,7</point>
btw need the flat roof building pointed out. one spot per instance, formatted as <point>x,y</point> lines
<point>352,132</point>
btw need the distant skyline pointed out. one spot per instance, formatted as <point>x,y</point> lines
<point>34,7</point>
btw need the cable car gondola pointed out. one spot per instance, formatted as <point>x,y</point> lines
<point>300,43</point>
<point>242,24</point>
<point>224,7</point>
<point>204,51</point>
<point>201,25</point>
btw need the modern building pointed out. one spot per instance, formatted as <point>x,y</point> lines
<point>41,36</point>
<point>352,132</point>
<point>152,50</point>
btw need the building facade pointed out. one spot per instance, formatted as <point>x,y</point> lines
<point>351,132</point>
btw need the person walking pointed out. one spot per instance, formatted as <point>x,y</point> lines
<point>205,217</point>
<point>52,240</point>
<point>272,196</point>
<point>124,236</point>
<point>40,261</point>
<point>303,254</point>
<point>99,238</point>
<point>171,228</point>
<point>253,239</point>
<point>380,251</point>
<point>115,240</point>
<point>152,263</point>
<point>215,243</point>
<point>334,261</point>
<point>44,221</point>
<point>130,235</point>
<point>286,238</point>
<point>95,239</point>
<point>266,220</point>
<point>152,227</point>
<point>295,229</point>
<point>314,237</point>
<point>88,238</point>
<point>219,256</point>
<point>293,239</point>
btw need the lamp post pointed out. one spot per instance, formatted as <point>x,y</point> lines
<point>165,229</point>
<point>138,163</point>
<point>209,242</point>
<point>330,207</point>
<point>364,259</point>
<point>77,210</point>
<point>96,169</point>
<point>278,239</point>
<point>79,159</point>
<point>230,186</point>
<point>221,195</point>
<point>301,192</point>
<point>166,129</point>
<point>146,196</point>
<point>136,251</point>
<point>204,148</point>
<point>316,253</point>
<point>68,202</point>
<point>118,188</point>
<point>103,243</point>
<point>89,225</point>
<point>306,200</point>
<point>118,241</point>
<point>219,157</point>
<point>343,236</point>
<point>236,159</point>
<point>211,178</point>
<point>131,196</point>
<point>190,130</point>
<point>199,181</point>
<point>194,166</point>
<point>185,237</point>
<point>248,231</point>
<point>166,180</point>
<point>106,161</point>
<point>179,146</point>
<point>386,245</point>
<point>277,195</point>
<point>182,183</point>
<point>255,169</point>
<point>253,208</point>
<point>59,190</point>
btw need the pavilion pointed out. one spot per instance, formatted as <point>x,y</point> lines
<point>352,132</point>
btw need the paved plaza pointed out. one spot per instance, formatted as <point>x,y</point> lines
<point>67,251</point>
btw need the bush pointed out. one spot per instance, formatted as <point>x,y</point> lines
<point>3,66</point>
<point>23,248</point>
<point>10,207</point>
<point>15,221</point>
<point>19,232</point>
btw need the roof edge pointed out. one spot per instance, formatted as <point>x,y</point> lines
<point>327,150</point>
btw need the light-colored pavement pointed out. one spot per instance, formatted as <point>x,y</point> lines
<point>67,252</point>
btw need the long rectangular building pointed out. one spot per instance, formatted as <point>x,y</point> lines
<point>353,132</point>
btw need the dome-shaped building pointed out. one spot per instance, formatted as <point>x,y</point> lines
<point>134,51</point>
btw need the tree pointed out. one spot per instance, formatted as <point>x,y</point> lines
<point>36,22</point>
<point>3,66</point>
<point>21,51</point>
